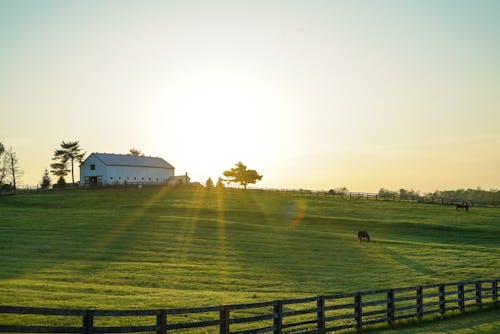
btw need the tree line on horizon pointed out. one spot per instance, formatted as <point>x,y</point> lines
<point>470,195</point>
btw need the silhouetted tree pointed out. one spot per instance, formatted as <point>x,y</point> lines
<point>3,164</point>
<point>136,152</point>
<point>13,170</point>
<point>209,184</point>
<point>61,182</point>
<point>220,184</point>
<point>240,174</point>
<point>45,184</point>
<point>68,153</point>
<point>386,193</point>
<point>60,169</point>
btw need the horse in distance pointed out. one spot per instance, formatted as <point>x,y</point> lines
<point>462,206</point>
<point>363,235</point>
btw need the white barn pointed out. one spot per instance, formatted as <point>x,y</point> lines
<point>115,169</point>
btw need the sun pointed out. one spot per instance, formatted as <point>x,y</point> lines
<point>214,119</point>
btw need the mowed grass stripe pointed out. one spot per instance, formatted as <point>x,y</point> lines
<point>155,247</point>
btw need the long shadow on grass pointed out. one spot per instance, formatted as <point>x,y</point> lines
<point>76,236</point>
<point>288,252</point>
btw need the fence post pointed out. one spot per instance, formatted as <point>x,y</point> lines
<point>321,314</point>
<point>494,292</point>
<point>479,294</point>
<point>461,297</point>
<point>358,310</point>
<point>390,307</point>
<point>442,299</point>
<point>420,302</point>
<point>88,322</point>
<point>161,322</point>
<point>224,320</point>
<point>278,317</point>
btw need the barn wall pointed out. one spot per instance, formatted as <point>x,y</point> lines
<point>85,171</point>
<point>131,174</point>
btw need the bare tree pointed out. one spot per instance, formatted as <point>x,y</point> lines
<point>13,168</point>
<point>4,163</point>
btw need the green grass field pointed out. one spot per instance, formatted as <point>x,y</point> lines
<point>161,248</point>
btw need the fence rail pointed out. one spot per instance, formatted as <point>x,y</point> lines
<point>319,314</point>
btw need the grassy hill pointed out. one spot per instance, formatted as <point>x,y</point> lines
<point>155,247</point>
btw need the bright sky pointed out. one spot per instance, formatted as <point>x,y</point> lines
<point>311,94</point>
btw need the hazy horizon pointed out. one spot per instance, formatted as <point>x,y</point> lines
<point>313,95</point>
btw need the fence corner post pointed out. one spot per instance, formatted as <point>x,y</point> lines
<point>88,322</point>
<point>224,320</point>
<point>358,310</point>
<point>161,322</point>
<point>321,314</point>
<point>390,307</point>
<point>278,317</point>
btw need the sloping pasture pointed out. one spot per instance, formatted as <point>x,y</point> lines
<point>162,248</point>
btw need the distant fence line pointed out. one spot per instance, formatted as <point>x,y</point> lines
<point>385,197</point>
<point>319,314</point>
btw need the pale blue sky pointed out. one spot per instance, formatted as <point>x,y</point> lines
<point>312,94</point>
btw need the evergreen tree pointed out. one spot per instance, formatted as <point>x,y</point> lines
<point>67,154</point>
<point>209,184</point>
<point>60,169</point>
<point>61,182</point>
<point>220,184</point>
<point>45,184</point>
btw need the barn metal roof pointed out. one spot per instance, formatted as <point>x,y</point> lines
<point>111,159</point>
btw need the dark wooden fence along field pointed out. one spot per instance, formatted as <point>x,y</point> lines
<point>319,314</point>
<point>419,199</point>
<point>398,198</point>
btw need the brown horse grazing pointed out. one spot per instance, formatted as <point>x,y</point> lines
<point>363,235</point>
<point>463,206</point>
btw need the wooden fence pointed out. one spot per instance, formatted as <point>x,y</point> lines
<point>419,199</point>
<point>319,314</point>
<point>387,197</point>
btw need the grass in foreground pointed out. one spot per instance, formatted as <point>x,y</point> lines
<point>160,248</point>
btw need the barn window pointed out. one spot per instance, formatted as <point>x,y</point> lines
<point>135,178</point>
<point>149,179</point>
<point>92,167</point>
<point>119,177</point>
<point>111,178</point>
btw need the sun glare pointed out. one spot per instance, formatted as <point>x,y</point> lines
<point>218,118</point>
